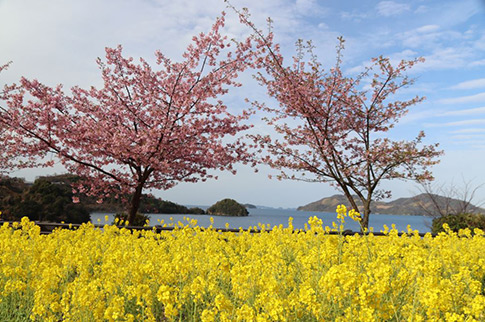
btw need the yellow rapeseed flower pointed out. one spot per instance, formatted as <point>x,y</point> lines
<point>192,274</point>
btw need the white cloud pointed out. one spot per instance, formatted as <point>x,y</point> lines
<point>452,13</point>
<point>469,130</point>
<point>391,8</point>
<point>464,99</point>
<point>308,7</point>
<point>480,44</point>
<point>470,111</point>
<point>62,39</point>
<point>459,123</point>
<point>447,58</point>
<point>471,84</point>
<point>406,54</point>
<point>354,15</point>
<point>416,115</point>
<point>478,63</point>
<point>428,36</point>
<point>421,9</point>
<point>395,59</point>
<point>470,137</point>
<point>428,28</point>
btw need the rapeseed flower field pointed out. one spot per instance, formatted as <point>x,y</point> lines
<point>201,274</point>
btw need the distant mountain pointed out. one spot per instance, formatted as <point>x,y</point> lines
<point>418,205</point>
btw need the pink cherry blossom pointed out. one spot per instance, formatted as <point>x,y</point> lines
<point>145,128</point>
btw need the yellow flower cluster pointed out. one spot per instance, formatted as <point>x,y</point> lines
<point>197,274</point>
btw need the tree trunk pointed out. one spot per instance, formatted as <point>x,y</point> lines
<point>365,218</point>
<point>353,204</point>
<point>135,204</point>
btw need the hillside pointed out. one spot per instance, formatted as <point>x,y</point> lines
<point>417,205</point>
<point>14,192</point>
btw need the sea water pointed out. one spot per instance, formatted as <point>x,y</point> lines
<point>276,217</point>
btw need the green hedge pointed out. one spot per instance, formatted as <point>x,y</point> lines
<point>457,222</point>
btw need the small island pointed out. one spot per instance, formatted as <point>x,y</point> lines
<point>227,207</point>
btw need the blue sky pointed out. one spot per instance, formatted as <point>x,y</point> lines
<point>57,41</point>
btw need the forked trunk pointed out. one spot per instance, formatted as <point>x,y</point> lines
<point>365,207</point>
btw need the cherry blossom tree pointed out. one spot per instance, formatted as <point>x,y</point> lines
<point>6,161</point>
<point>332,128</point>
<point>145,128</point>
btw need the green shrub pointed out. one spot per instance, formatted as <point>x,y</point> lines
<point>140,219</point>
<point>457,222</point>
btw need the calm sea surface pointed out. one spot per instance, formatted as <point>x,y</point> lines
<point>274,217</point>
